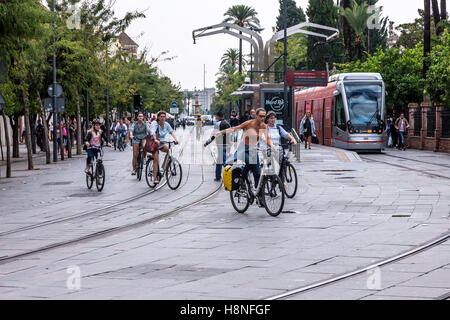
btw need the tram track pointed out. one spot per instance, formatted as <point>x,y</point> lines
<point>103,211</point>
<point>406,167</point>
<point>333,280</point>
<point>418,249</point>
<point>110,231</point>
<point>415,160</point>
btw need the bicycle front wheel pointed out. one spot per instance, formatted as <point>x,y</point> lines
<point>149,174</point>
<point>174,174</point>
<point>90,178</point>
<point>100,177</point>
<point>273,195</point>
<point>240,198</point>
<point>289,178</point>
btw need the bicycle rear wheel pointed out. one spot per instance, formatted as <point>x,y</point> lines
<point>149,178</point>
<point>273,195</point>
<point>240,198</point>
<point>174,173</point>
<point>90,177</point>
<point>289,178</point>
<point>100,177</point>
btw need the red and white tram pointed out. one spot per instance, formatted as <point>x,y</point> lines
<point>349,113</point>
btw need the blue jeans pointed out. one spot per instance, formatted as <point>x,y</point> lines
<point>402,139</point>
<point>250,156</point>
<point>221,160</point>
<point>91,153</point>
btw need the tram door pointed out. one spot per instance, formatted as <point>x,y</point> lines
<point>327,123</point>
<point>340,136</point>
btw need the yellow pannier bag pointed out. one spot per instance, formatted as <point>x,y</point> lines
<point>231,177</point>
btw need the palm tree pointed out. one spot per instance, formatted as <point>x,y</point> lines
<point>347,31</point>
<point>243,16</point>
<point>357,17</point>
<point>426,36</point>
<point>230,57</point>
<point>188,97</point>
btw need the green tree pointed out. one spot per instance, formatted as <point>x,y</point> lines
<point>401,72</point>
<point>323,12</point>
<point>295,15</point>
<point>357,17</point>
<point>21,22</point>
<point>243,16</point>
<point>438,76</point>
<point>230,57</point>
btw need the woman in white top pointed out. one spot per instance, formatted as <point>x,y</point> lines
<point>158,130</point>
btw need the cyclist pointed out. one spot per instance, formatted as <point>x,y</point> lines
<point>277,133</point>
<point>247,149</point>
<point>121,131</point>
<point>130,125</point>
<point>198,123</point>
<point>93,143</point>
<point>234,122</point>
<point>138,134</point>
<point>158,130</point>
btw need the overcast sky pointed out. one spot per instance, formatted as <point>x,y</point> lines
<point>169,24</point>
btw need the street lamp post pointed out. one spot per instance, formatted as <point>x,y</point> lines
<point>55,116</point>
<point>286,102</point>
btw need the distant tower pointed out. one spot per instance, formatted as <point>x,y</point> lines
<point>197,106</point>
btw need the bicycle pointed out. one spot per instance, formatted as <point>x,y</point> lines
<point>121,145</point>
<point>268,194</point>
<point>288,175</point>
<point>96,172</point>
<point>172,170</point>
<point>140,162</point>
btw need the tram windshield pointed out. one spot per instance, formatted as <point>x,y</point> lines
<point>364,103</point>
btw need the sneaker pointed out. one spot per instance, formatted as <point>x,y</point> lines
<point>133,173</point>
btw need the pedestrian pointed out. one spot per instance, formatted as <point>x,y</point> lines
<point>252,114</point>
<point>222,143</point>
<point>401,125</point>
<point>40,135</point>
<point>234,122</point>
<point>307,129</point>
<point>24,133</point>
<point>64,136</point>
<point>245,118</point>
<point>73,131</point>
<point>51,131</point>
<point>388,131</point>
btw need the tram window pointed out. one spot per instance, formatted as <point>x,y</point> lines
<point>339,113</point>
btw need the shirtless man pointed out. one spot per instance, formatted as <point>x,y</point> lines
<point>253,130</point>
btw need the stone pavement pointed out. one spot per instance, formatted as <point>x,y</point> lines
<point>348,213</point>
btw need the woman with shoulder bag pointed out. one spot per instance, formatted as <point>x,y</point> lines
<point>307,129</point>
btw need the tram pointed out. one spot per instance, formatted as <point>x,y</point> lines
<point>349,113</point>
